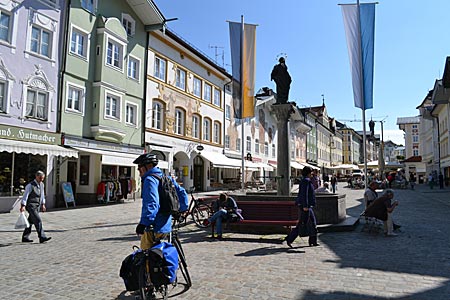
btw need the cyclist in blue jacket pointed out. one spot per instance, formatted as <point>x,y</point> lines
<point>154,224</point>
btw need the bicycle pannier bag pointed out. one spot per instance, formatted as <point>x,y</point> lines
<point>163,262</point>
<point>168,197</point>
<point>129,271</point>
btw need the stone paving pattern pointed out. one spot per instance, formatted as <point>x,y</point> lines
<point>82,260</point>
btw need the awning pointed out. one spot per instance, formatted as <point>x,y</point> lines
<point>346,167</point>
<point>35,148</point>
<point>221,161</point>
<point>296,165</point>
<point>311,166</point>
<point>112,157</point>
<point>249,165</point>
<point>266,167</point>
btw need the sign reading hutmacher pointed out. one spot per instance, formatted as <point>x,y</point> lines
<point>29,135</point>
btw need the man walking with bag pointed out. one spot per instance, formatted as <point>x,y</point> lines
<point>33,199</point>
<point>306,200</point>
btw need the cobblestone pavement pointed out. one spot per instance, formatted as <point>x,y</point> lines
<point>82,260</point>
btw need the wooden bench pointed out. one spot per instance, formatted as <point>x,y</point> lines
<point>269,213</point>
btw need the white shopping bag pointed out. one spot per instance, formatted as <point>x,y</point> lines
<point>22,222</point>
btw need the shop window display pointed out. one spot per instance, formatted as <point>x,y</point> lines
<point>116,184</point>
<point>16,170</point>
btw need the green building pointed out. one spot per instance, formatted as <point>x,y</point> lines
<point>102,95</point>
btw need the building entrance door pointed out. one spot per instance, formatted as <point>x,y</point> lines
<point>198,173</point>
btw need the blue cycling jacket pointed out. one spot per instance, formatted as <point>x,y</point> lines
<point>150,215</point>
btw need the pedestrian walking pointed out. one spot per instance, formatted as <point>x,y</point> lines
<point>33,201</point>
<point>306,200</point>
<point>334,184</point>
<point>412,180</point>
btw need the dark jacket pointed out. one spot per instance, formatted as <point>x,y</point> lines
<point>378,208</point>
<point>306,195</point>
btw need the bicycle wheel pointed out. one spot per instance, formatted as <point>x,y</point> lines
<point>200,213</point>
<point>145,287</point>
<point>182,263</point>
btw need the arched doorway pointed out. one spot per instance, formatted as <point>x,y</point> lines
<point>198,173</point>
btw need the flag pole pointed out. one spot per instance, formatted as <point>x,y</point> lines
<point>363,102</point>
<point>242,104</point>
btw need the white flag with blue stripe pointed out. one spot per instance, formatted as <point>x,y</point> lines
<point>359,23</point>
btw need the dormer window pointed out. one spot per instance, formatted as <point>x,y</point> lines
<point>129,24</point>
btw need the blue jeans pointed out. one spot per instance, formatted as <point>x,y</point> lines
<point>218,217</point>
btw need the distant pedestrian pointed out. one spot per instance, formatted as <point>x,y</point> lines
<point>412,180</point>
<point>334,184</point>
<point>431,181</point>
<point>33,201</point>
<point>315,179</point>
<point>441,181</point>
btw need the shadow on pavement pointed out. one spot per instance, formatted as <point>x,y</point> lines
<point>421,248</point>
<point>130,237</point>
<point>268,251</point>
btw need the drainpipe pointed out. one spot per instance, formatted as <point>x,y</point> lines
<point>62,65</point>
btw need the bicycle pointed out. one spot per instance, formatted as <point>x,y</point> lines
<point>200,210</point>
<point>147,289</point>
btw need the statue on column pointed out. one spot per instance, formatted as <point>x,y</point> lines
<point>283,81</point>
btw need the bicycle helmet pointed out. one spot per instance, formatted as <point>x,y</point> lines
<point>145,159</point>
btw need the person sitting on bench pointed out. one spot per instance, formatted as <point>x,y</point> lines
<point>226,209</point>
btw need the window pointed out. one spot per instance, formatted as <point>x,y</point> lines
<point>197,89</point>
<point>415,138</point>
<point>216,97</point>
<point>78,43</point>
<point>157,117</point>
<point>37,104</point>
<point>206,129</point>
<point>249,144</point>
<point>227,112</point>
<point>112,106</point>
<point>180,80</point>
<point>129,24</point>
<point>131,114</point>
<point>256,145</point>
<point>3,100</point>
<point>40,41</point>
<point>207,92</point>
<point>414,126</point>
<point>133,67</point>
<point>238,144</point>
<point>227,142</point>
<point>5,25</point>
<point>415,152</point>
<point>160,68</point>
<point>217,133</point>
<point>266,149</point>
<point>274,152</point>
<point>75,99</point>
<point>114,54</point>
<point>89,5</point>
<point>179,121</point>
<point>196,127</point>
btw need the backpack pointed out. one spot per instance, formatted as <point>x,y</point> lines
<point>163,262</point>
<point>168,197</point>
<point>129,271</point>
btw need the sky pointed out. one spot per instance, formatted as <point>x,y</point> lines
<point>411,45</point>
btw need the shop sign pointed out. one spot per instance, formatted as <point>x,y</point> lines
<point>29,135</point>
<point>100,146</point>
